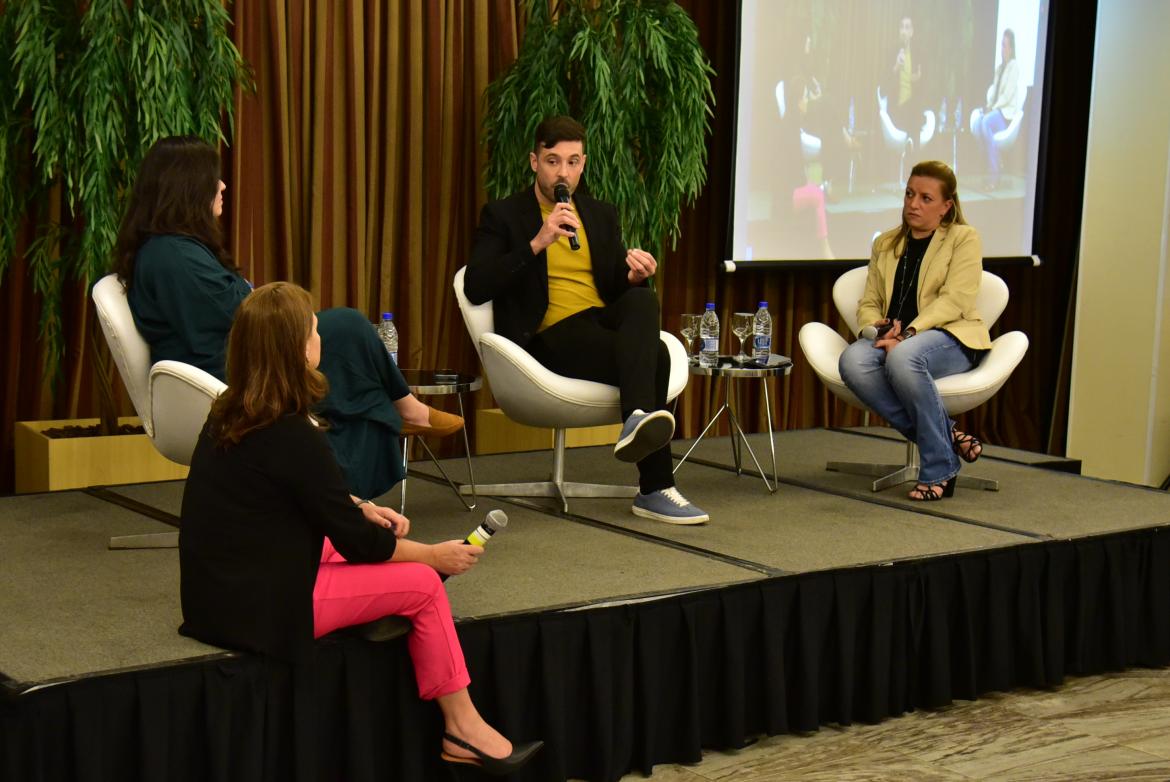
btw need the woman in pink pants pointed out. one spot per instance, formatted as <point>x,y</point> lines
<point>275,552</point>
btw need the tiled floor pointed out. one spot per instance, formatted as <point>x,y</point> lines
<point>1113,727</point>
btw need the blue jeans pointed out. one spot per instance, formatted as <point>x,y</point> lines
<point>990,124</point>
<point>899,386</point>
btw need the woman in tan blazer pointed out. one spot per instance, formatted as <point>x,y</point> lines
<point>919,323</point>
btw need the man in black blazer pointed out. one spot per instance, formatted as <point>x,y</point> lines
<point>564,287</point>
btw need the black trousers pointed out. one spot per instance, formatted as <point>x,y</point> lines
<point>617,344</point>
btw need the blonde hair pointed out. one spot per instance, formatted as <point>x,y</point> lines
<point>949,185</point>
<point>268,372</point>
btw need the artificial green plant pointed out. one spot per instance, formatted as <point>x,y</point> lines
<point>85,89</point>
<point>633,72</point>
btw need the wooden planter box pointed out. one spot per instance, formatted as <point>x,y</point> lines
<point>52,464</point>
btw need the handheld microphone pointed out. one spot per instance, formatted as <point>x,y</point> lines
<point>496,520</point>
<point>561,193</point>
<point>873,332</point>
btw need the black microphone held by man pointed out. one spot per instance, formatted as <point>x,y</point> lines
<point>561,193</point>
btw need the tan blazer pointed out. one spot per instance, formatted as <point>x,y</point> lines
<point>948,281</point>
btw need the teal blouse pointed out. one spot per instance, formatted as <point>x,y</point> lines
<point>183,301</point>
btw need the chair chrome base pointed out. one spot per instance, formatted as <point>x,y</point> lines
<point>893,474</point>
<point>556,487</point>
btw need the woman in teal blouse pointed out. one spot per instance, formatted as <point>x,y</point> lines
<point>183,291</point>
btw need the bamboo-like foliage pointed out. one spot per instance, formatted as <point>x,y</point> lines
<point>633,72</point>
<point>85,89</point>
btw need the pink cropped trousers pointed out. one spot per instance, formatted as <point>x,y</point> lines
<point>351,594</point>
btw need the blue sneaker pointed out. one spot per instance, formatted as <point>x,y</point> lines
<point>643,434</point>
<point>670,506</point>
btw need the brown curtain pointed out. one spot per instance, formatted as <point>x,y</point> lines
<point>357,165</point>
<point>358,157</point>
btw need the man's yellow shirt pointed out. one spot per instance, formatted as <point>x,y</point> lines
<point>571,287</point>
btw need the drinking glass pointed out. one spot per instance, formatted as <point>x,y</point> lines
<point>741,326</point>
<point>689,329</point>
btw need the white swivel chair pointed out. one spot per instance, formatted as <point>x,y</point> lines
<point>171,398</point>
<point>530,394</point>
<point>810,145</point>
<point>965,391</point>
<point>899,141</point>
<point>1005,138</point>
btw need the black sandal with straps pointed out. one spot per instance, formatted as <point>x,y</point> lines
<point>967,446</point>
<point>925,492</point>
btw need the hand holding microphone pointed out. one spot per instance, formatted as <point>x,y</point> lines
<point>563,196</point>
<point>875,330</point>
<point>457,559</point>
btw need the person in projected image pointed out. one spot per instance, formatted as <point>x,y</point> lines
<point>920,299</point>
<point>584,312</point>
<point>905,105</point>
<point>1004,102</point>
<point>183,289</point>
<point>274,551</point>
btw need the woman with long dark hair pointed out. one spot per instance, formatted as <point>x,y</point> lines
<point>183,290</point>
<point>919,296</point>
<point>275,552</point>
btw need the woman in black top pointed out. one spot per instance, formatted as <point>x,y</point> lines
<point>275,552</point>
<point>183,290</point>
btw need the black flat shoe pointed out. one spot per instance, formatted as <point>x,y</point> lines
<point>925,492</point>
<point>489,765</point>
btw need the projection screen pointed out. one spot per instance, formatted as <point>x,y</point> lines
<point>838,99</point>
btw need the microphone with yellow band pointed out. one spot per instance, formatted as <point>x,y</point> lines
<point>496,520</point>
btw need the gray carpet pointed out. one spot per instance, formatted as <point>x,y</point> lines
<point>72,606</point>
<point>166,496</point>
<point>537,562</point>
<point>1031,500</point>
<point>989,449</point>
<point>793,530</point>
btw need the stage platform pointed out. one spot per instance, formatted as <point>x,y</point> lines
<point>622,642</point>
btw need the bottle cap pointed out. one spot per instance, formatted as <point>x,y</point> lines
<point>387,316</point>
<point>710,305</point>
<point>763,305</point>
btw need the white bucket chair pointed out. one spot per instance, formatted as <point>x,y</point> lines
<point>171,398</point>
<point>532,395</point>
<point>1005,138</point>
<point>965,391</point>
<point>810,145</point>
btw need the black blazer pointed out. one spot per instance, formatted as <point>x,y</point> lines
<point>255,516</point>
<point>504,271</point>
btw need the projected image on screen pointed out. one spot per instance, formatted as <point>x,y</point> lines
<point>838,99</point>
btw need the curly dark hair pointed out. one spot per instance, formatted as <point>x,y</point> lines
<point>173,193</point>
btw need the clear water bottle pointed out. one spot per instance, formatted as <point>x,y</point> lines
<point>762,334</point>
<point>389,335</point>
<point>709,337</point>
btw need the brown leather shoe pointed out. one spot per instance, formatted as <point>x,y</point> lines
<point>439,424</point>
